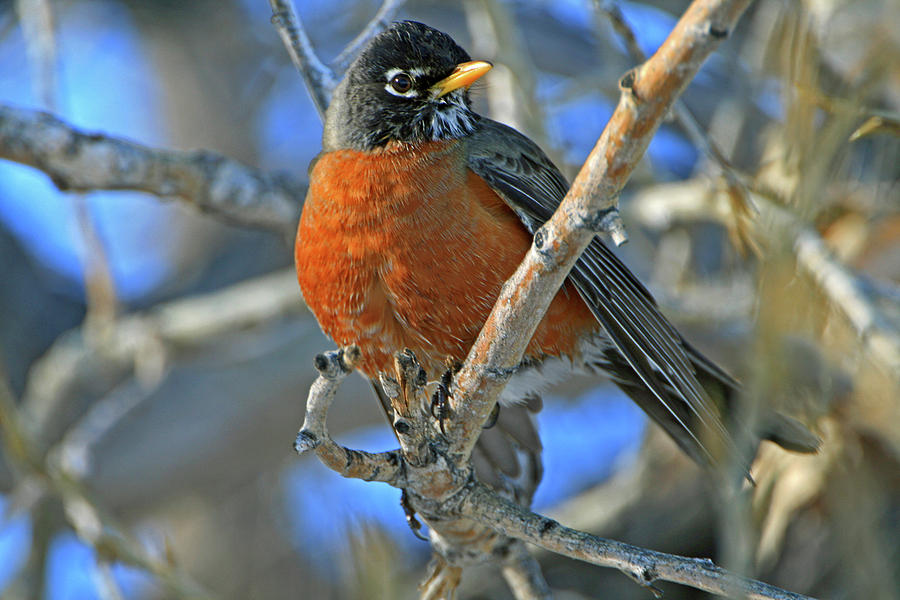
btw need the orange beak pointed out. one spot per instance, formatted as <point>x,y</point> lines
<point>463,75</point>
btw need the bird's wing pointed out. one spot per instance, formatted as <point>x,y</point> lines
<point>660,360</point>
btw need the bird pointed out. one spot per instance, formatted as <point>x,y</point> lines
<point>417,212</point>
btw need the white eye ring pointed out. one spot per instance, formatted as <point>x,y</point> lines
<point>392,77</point>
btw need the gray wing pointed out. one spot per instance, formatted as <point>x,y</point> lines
<point>658,359</point>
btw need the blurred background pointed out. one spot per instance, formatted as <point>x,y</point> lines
<point>157,360</point>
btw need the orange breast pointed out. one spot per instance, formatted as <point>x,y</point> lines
<point>398,250</point>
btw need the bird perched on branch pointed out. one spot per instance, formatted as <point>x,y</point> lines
<point>419,209</point>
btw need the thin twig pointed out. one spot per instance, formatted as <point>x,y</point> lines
<point>107,586</point>
<point>320,80</point>
<point>75,451</point>
<point>36,18</point>
<point>91,524</point>
<point>376,25</point>
<point>644,566</point>
<point>333,367</point>
<point>100,289</point>
<point>611,10</point>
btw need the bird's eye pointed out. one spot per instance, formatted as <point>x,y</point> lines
<point>401,83</point>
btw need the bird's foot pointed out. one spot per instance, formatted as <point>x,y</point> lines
<point>410,514</point>
<point>440,401</point>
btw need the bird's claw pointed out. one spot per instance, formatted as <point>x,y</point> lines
<point>440,401</point>
<point>411,520</point>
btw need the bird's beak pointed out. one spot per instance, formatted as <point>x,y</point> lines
<point>463,75</point>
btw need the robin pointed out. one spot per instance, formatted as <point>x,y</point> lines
<point>418,211</point>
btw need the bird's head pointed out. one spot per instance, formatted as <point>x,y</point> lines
<point>410,84</point>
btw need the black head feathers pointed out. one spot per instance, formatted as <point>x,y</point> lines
<point>393,91</point>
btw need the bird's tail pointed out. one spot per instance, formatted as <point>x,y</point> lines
<point>787,432</point>
<point>508,455</point>
<point>746,426</point>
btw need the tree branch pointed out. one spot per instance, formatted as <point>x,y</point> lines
<point>80,161</point>
<point>644,566</point>
<point>333,367</point>
<point>96,528</point>
<point>470,522</point>
<point>143,343</point>
<point>421,467</point>
<point>856,298</point>
<point>648,92</point>
<point>376,25</point>
<point>319,79</point>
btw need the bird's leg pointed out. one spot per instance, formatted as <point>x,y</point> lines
<point>411,519</point>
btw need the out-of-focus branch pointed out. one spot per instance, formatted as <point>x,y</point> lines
<point>648,92</point>
<point>512,93</point>
<point>36,17</point>
<point>80,161</point>
<point>854,296</point>
<point>522,573</point>
<point>844,288</point>
<point>93,526</point>
<point>100,290</point>
<point>320,80</point>
<point>143,343</point>
<point>376,25</point>
<point>139,344</point>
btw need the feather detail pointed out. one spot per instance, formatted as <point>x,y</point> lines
<point>647,353</point>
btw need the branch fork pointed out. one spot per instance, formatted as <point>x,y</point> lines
<point>437,485</point>
<point>469,522</point>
